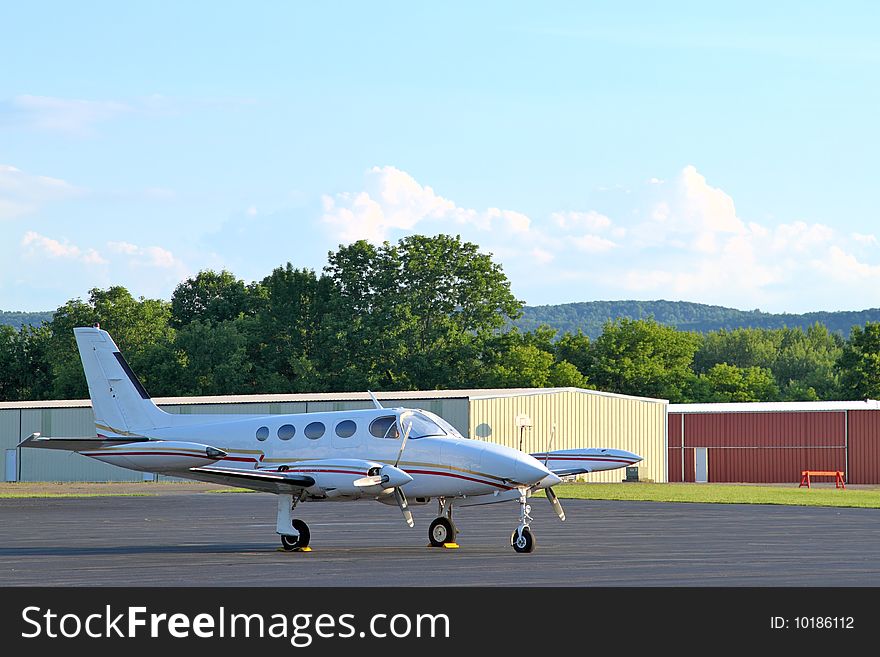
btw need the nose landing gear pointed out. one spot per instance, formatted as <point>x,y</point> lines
<point>442,529</point>
<point>522,539</point>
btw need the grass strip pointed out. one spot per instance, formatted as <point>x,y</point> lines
<point>722,494</point>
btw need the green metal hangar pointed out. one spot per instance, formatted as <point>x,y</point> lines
<point>583,418</point>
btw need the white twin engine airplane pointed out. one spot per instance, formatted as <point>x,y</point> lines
<point>374,454</point>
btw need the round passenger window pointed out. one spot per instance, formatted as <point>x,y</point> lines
<point>346,429</point>
<point>286,431</point>
<point>262,433</point>
<point>314,430</point>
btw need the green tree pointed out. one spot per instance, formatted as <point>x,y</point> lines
<point>642,357</point>
<point>805,367</point>
<point>859,363</point>
<point>416,314</point>
<point>211,297</point>
<point>576,349</point>
<point>137,325</point>
<point>729,383</point>
<point>742,347</point>
<point>214,359</point>
<point>292,338</point>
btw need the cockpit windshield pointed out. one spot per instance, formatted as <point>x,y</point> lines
<point>425,424</point>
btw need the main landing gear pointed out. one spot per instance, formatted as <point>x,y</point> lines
<point>522,539</point>
<point>294,532</point>
<point>443,530</point>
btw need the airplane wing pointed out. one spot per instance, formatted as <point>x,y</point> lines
<point>78,444</point>
<point>266,482</point>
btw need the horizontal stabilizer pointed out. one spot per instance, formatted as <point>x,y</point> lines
<point>266,482</point>
<point>77,444</point>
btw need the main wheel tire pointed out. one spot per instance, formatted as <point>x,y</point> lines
<point>297,542</point>
<point>523,542</point>
<point>441,531</point>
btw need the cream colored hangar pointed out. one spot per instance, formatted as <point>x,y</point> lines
<point>517,417</point>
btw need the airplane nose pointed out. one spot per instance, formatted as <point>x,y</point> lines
<point>629,455</point>
<point>529,470</point>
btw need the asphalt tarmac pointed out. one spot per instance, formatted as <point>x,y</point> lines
<point>205,539</point>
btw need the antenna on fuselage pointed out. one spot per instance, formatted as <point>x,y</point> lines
<point>376,402</point>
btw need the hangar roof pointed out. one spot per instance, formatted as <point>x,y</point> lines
<point>473,393</point>
<point>777,407</point>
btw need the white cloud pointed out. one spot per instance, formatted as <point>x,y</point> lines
<point>37,246</point>
<point>394,200</point>
<point>65,115</point>
<point>592,243</point>
<point>846,268</point>
<point>705,206</point>
<point>123,247</point>
<point>147,256</point>
<point>868,240</point>
<point>801,237</point>
<point>24,193</point>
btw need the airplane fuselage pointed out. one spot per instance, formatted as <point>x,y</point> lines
<point>332,443</point>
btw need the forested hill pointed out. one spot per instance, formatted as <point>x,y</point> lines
<point>591,315</point>
<point>19,319</point>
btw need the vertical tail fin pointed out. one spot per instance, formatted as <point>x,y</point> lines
<point>120,402</point>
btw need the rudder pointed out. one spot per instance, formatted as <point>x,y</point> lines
<point>122,406</point>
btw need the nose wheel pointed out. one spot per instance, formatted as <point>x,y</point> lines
<point>522,539</point>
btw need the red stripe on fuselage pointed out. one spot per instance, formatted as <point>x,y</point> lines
<point>458,476</point>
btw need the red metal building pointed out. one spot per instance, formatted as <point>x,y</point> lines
<point>773,442</point>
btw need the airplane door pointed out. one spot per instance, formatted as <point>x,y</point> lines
<point>11,465</point>
<point>347,434</point>
<point>701,465</point>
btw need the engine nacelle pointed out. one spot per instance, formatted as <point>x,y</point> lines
<point>157,455</point>
<point>347,479</point>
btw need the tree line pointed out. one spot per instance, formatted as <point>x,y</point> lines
<point>424,313</point>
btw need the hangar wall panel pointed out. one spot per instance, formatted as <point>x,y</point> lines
<point>582,420</point>
<point>9,423</point>
<point>771,465</point>
<point>57,465</point>
<point>814,429</point>
<point>760,447</point>
<point>675,453</point>
<point>235,409</point>
<point>864,447</point>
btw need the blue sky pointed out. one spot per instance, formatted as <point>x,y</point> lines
<point>722,153</point>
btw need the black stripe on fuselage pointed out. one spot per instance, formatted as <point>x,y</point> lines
<point>131,375</point>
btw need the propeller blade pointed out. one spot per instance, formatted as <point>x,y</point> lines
<point>365,482</point>
<point>404,506</point>
<point>554,501</point>
<point>403,443</point>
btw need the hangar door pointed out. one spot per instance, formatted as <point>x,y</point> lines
<point>701,465</point>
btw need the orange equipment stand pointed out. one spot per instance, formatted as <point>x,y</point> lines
<point>837,474</point>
